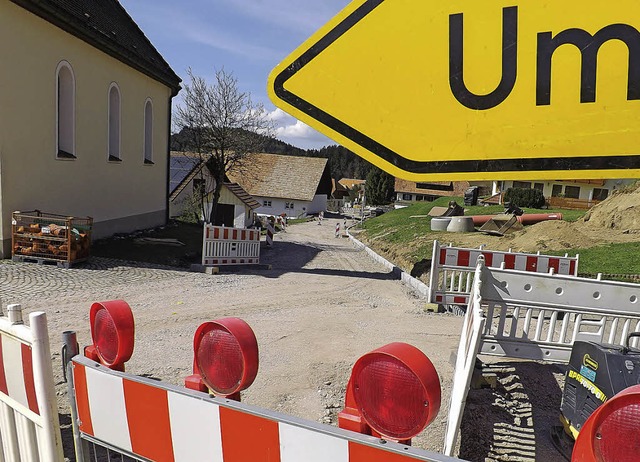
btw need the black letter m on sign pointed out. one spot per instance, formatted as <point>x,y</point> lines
<point>589,46</point>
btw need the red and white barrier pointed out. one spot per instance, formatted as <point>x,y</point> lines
<point>161,422</point>
<point>29,427</point>
<point>230,246</point>
<point>270,232</point>
<point>452,269</point>
<point>16,373</point>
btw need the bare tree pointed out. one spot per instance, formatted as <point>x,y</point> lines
<point>223,125</point>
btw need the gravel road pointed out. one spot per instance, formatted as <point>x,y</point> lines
<point>322,305</point>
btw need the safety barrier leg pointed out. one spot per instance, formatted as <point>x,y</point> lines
<point>9,434</point>
<point>433,276</point>
<point>27,439</point>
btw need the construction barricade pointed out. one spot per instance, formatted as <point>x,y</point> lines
<point>149,420</point>
<point>230,246</point>
<point>271,230</point>
<point>121,416</point>
<point>29,427</point>
<point>537,316</point>
<point>468,349</point>
<point>452,269</point>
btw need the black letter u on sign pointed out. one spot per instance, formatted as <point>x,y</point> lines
<point>509,62</point>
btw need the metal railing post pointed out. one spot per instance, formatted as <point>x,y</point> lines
<point>14,312</point>
<point>70,349</point>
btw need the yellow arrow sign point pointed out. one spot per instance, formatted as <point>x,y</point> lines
<point>474,90</point>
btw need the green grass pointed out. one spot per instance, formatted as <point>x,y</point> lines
<point>608,259</point>
<point>398,228</point>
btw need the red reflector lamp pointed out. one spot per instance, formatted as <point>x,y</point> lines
<point>612,432</point>
<point>225,358</point>
<point>393,392</point>
<point>112,333</point>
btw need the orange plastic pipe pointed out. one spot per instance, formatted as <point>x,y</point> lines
<point>533,218</point>
<point>526,219</point>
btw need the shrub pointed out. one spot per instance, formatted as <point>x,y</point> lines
<point>521,197</point>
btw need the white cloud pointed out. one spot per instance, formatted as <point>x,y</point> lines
<point>278,115</point>
<point>297,130</point>
<point>297,133</point>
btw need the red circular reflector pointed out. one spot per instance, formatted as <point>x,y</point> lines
<point>397,390</point>
<point>226,355</point>
<point>611,433</point>
<point>112,331</point>
<point>106,336</point>
<point>617,438</point>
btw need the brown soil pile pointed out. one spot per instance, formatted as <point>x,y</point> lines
<point>615,220</point>
<point>620,212</point>
<point>551,235</point>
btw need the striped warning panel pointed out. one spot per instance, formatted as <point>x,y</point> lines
<point>459,298</point>
<point>235,234</point>
<point>158,422</point>
<point>16,373</point>
<point>270,232</point>
<point>230,246</point>
<point>467,258</point>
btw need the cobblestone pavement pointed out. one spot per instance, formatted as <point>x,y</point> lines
<point>28,281</point>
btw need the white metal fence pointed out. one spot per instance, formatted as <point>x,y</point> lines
<point>468,349</point>
<point>537,316</point>
<point>230,246</point>
<point>29,426</point>
<point>452,269</point>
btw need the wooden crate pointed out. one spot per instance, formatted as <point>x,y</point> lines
<point>46,237</point>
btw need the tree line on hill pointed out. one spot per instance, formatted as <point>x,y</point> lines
<point>342,162</point>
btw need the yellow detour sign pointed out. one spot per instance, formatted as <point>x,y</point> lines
<point>468,89</point>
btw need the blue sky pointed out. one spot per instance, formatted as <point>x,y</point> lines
<point>247,37</point>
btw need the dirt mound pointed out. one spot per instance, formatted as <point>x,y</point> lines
<point>621,211</point>
<point>551,235</point>
<point>616,219</point>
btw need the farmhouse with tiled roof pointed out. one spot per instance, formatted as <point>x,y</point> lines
<point>293,185</point>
